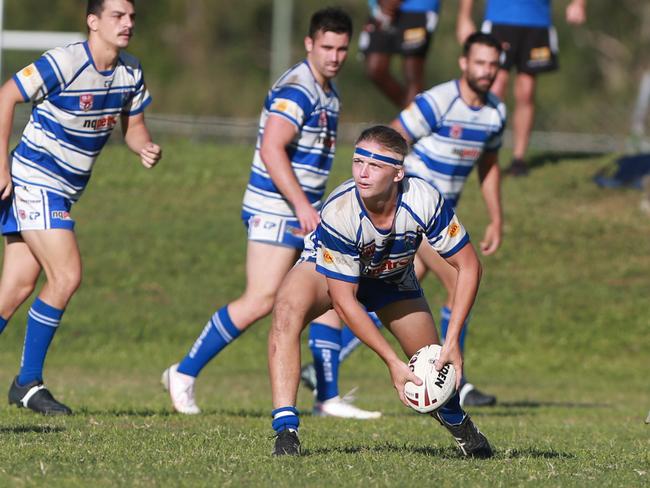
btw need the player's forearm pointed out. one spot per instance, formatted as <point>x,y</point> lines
<point>465,10</point>
<point>279,168</point>
<point>490,178</point>
<point>136,137</point>
<point>469,276</point>
<point>357,319</point>
<point>8,103</point>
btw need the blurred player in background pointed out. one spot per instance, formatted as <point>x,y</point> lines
<point>359,259</point>
<point>293,157</point>
<point>403,27</point>
<point>453,127</point>
<point>530,44</point>
<point>79,93</point>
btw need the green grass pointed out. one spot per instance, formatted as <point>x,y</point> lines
<point>560,333</point>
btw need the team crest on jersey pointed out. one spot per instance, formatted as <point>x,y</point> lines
<point>327,257</point>
<point>368,251</point>
<point>28,71</point>
<point>456,131</point>
<point>86,102</point>
<point>454,228</point>
<point>322,119</point>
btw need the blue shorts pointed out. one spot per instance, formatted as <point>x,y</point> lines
<point>272,229</point>
<point>32,208</point>
<point>375,294</point>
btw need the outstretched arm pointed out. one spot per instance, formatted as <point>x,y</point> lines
<point>349,309</point>
<point>469,276</point>
<point>489,176</point>
<point>138,139</point>
<point>9,96</point>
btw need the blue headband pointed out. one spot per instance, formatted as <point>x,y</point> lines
<point>378,157</point>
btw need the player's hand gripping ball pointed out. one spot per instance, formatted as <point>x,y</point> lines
<point>437,386</point>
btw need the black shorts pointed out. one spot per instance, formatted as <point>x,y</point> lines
<point>409,35</point>
<point>530,49</point>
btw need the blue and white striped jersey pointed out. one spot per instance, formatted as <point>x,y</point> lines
<point>450,136</point>
<point>298,98</point>
<point>75,108</point>
<point>349,247</point>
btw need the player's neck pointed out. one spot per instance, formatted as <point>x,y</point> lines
<point>104,55</point>
<point>320,79</point>
<point>470,96</point>
<point>381,209</point>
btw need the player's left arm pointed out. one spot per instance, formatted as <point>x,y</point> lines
<point>466,262</point>
<point>344,300</point>
<point>138,139</point>
<point>489,176</point>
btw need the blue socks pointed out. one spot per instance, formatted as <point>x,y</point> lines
<point>349,342</point>
<point>445,315</point>
<point>42,323</point>
<point>452,413</point>
<point>285,418</point>
<point>325,345</point>
<point>3,324</point>
<point>217,334</point>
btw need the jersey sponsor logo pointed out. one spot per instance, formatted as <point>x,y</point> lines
<point>28,71</point>
<point>327,257</point>
<point>86,101</point>
<point>107,122</point>
<point>454,229</point>
<point>466,153</point>
<point>456,131</point>
<point>389,265</point>
<point>60,214</point>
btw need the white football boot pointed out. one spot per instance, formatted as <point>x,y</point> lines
<point>181,390</point>
<point>343,408</point>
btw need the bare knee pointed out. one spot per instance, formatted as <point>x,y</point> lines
<point>287,317</point>
<point>64,283</point>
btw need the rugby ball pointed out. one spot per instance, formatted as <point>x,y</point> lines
<point>437,386</point>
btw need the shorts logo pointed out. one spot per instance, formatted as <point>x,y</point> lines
<point>456,131</point>
<point>540,54</point>
<point>86,102</point>
<point>28,71</point>
<point>34,215</point>
<point>60,214</point>
<point>22,215</point>
<point>255,222</point>
<point>269,225</point>
<point>327,257</point>
<point>454,228</point>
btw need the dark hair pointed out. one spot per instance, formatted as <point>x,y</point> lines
<point>387,137</point>
<point>95,7</point>
<point>330,19</point>
<point>483,39</point>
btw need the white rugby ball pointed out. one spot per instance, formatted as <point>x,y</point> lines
<point>437,386</point>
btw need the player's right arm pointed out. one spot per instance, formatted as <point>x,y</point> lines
<point>464,23</point>
<point>344,300</point>
<point>9,96</point>
<point>278,133</point>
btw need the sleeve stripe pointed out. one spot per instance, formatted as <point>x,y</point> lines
<point>461,244</point>
<point>337,276</point>
<point>21,89</point>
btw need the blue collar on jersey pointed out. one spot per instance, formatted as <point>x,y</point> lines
<point>379,157</point>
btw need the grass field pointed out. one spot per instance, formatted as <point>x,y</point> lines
<point>560,332</point>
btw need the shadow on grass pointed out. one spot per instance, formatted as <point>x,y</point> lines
<point>439,452</point>
<point>31,429</point>
<point>541,159</point>
<point>543,404</point>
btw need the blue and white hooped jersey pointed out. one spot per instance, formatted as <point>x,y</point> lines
<point>75,108</point>
<point>298,98</point>
<point>449,136</point>
<point>527,13</point>
<point>350,248</point>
